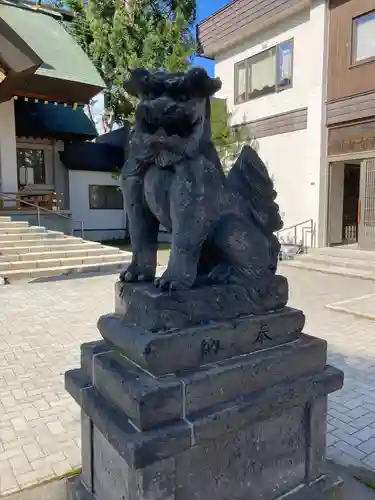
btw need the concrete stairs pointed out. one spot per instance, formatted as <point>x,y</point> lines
<point>28,252</point>
<point>341,261</point>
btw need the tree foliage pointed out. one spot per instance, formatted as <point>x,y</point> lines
<point>228,140</point>
<point>120,35</point>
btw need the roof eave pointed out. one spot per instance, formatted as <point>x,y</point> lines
<point>50,10</point>
<point>211,50</point>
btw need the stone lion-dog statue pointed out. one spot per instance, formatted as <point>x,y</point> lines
<point>222,226</point>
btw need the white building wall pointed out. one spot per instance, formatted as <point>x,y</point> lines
<point>316,157</point>
<point>8,155</point>
<point>294,159</point>
<point>99,225</point>
<point>289,173</point>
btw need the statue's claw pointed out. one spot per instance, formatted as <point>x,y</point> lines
<point>132,276</point>
<point>165,284</point>
<point>161,283</point>
<point>127,276</point>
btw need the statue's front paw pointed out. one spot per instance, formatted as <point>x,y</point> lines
<point>135,273</point>
<point>169,282</point>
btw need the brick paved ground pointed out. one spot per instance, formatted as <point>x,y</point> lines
<point>42,326</point>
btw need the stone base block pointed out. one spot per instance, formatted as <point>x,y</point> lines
<point>243,423</point>
<point>164,352</point>
<point>328,487</point>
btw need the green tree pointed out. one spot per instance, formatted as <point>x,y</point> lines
<point>120,35</point>
<point>228,140</point>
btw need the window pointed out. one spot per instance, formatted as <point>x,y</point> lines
<point>31,166</point>
<point>241,82</point>
<point>265,73</point>
<point>363,38</point>
<point>262,74</point>
<point>105,198</point>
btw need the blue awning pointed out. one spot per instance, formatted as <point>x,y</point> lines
<point>52,121</point>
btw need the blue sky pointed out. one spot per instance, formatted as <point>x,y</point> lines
<point>205,9</point>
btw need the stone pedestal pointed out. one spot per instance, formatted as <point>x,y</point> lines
<point>227,410</point>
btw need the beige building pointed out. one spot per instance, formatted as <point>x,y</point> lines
<point>46,80</point>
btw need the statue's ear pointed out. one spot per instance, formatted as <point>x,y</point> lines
<point>201,84</point>
<point>137,81</point>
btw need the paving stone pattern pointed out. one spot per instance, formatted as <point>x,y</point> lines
<point>43,324</point>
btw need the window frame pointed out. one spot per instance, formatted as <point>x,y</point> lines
<point>353,62</point>
<point>112,186</point>
<point>236,74</point>
<point>247,63</point>
<point>24,148</point>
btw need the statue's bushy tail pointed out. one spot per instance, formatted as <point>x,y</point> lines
<point>249,178</point>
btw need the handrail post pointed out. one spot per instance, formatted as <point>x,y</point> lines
<point>82,230</point>
<point>295,234</point>
<point>38,209</point>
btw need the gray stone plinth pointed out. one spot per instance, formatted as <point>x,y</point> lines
<point>243,418</point>
<point>144,305</point>
<point>188,348</point>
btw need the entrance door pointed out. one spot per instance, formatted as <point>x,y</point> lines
<point>352,173</point>
<point>366,210</point>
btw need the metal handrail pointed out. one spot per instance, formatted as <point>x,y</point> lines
<point>38,208</point>
<point>305,230</point>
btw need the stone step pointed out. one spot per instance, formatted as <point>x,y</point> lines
<point>44,246</point>
<point>45,272</point>
<point>62,262</point>
<point>47,244</point>
<point>341,261</point>
<point>12,224</point>
<point>327,269</point>
<point>30,236</point>
<point>342,252</point>
<point>21,230</point>
<point>83,251</point>
<point>5,219</point>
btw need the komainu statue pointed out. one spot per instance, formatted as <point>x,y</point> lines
<point>222,227</point>
<point>204,385</point>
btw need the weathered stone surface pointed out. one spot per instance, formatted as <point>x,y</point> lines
<point>145,306</point>
<point>328,487</point>
<point>316,437</point>
<point>262,461</point>
<point>115,480</point>
<point>75,381</point>
<point>143,448</point>
<point>89,350</point>
<point>87,452</point>
<point>148,402</point>
<point>137,448</point>
<point>169,352</point>
<point>227,380</point>
<point>263,404</point>
<point>251,426</point>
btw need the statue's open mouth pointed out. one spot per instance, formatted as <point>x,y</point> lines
<point>182,126</point>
